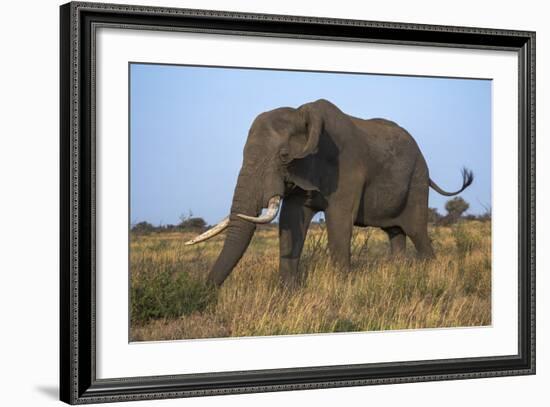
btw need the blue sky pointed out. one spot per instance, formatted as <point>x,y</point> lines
<point>189,126</point>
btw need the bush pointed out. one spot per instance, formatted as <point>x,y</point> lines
<point>433,216</point>
<point>467,240</point>
<point>163,295</point>
<point>192,223</point>
<point>187,223</point>
<point>143,228</point>
<point>455,208</point>
<point>485,216</point>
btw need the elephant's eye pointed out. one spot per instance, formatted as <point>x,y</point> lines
<point>285,156</point>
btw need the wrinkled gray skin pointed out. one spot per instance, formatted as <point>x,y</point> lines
<point>358,172</point>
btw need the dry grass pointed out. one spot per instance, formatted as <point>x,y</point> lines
<point>170,301</point>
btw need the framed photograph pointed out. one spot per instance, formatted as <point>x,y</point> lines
<point>255,203</point>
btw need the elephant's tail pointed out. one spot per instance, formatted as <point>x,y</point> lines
<point>467,179</point>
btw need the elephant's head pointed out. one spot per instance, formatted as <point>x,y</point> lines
<point>281,152</point>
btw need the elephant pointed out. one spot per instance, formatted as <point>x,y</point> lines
<point>316,158</point>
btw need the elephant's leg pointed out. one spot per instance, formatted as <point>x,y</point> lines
<point>415,225</point>
<point>397,240</point>
<point>423,244</point>
<point>293,225</point>
<point>339,230</point>
<point>414,221</point>
<point>417,229</point>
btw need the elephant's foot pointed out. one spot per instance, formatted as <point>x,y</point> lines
<point>423,246</point>
<point>426,254</point>
<point>291,277</point>
<point>340,264</point>
<point>291,284</point>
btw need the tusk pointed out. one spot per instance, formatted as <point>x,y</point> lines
<point>220,227</point>
<point>268,216</point>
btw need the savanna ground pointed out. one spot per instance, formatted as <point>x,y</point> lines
<point>169,299</point>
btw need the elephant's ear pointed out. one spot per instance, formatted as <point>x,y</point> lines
<point>304,173</point>
<point>306,167</point>
<point>312,122</point>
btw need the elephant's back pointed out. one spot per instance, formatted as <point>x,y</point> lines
<point>384,131</point>
<point>386,140</point>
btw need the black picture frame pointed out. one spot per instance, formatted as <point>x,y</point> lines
<point>78,382</point>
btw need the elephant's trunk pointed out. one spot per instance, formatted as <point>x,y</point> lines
<point>237,240</point>
<point>239,232</point>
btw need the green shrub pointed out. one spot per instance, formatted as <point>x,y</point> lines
<point>345,325</point>
<point>192,223</point>
<point>466,239</point>
<point>143,228</point>
<point>166,295</point>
